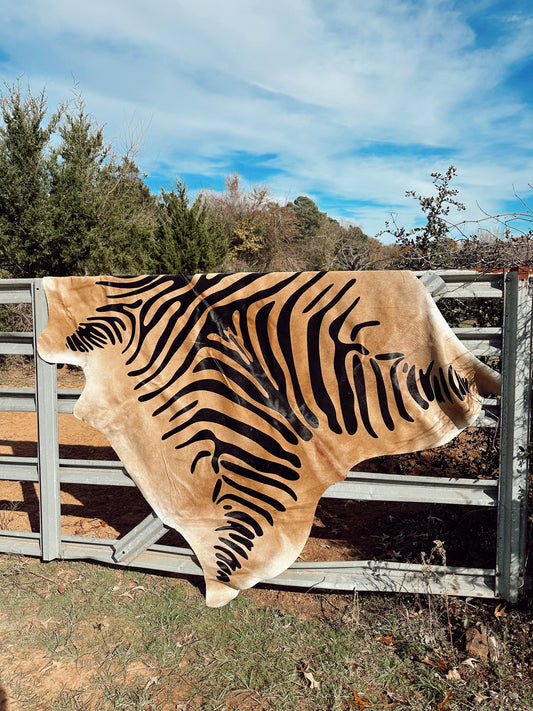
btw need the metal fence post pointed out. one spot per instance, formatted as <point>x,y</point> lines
<point>515,432</point>
<point>48,436</point>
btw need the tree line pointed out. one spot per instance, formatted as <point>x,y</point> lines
<point>70,204</point>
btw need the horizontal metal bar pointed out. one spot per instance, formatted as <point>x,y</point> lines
<point>468,284</point>
<point>71,471</point>
<point>490,333</point>
<point>16,343</point>
<point>23,400</point>
<point>358,486</point>
<point>17,399</point>
<point>19,290</point>
<point>490,413</point>
<point>162,558</point>
<point>20,543</point>
<point>384,576</point>
<point>370,486</point>
<point>483,348</point>
<point>66,399</point>
<point>18,468</point>
<point>468,275</point>
<point>96,472</point>
<point>470,291</point>
<point>378,576</point>
<point>15,291</point>
<point>481,341</point>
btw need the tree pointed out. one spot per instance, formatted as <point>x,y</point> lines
<point>26,231</point>
<point>75,197</point>
<point>308,215</point>
<point>352,250</point>
<point>127,220</point>
<point>327,244</point>
<point>103,214</point>
<point>259,230</point>
<point>316,248</point>
<point>186,240</point>
<point>77,208</point>
<point>431,245</point>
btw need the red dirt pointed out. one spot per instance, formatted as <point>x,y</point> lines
<point>342,529</point>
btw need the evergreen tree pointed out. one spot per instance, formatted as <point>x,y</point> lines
<point>308,215</point>
<point>75,193</point>
<point>103,214</point>
<point>187,240</point>
<point>26,232</point>
<point>127,218</point>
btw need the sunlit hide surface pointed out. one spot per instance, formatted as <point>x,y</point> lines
<point>235,401</point>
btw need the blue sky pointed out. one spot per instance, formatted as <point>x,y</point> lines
<point>351,102</point>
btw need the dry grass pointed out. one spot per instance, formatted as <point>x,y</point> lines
<point>83,636</point>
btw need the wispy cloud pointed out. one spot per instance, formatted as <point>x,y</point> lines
<point>351,103</point>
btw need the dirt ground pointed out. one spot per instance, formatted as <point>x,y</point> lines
<point>342,529</point>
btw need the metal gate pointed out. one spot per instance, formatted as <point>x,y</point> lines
<point>139,548</point>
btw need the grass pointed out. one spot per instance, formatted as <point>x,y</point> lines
<point>81,636</point>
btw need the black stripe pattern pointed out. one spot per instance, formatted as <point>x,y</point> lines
<point>243,352</point>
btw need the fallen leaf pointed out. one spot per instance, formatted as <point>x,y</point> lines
<point>454,675</point>
<point>477,643</point>
<point>405,675</point>
<point>471,662</point>
<point>151,681</point>
<point>61,588</point>
<point>479,698</point>
<point>500,611</point>
<point>387,640</point>
<point>443,704</point>
<point>443,666</point>
<point>313,683</point>
<point>359,701</point>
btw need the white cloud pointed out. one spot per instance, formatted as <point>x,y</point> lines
<point>309,81</point>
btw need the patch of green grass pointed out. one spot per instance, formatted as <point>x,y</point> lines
<point>82,636</point>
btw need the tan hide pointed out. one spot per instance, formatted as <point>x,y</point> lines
<point>235,401</point>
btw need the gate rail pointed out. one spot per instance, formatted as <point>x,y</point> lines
<point>139,548</point>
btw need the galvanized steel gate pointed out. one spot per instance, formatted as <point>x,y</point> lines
<point>139,547</point>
